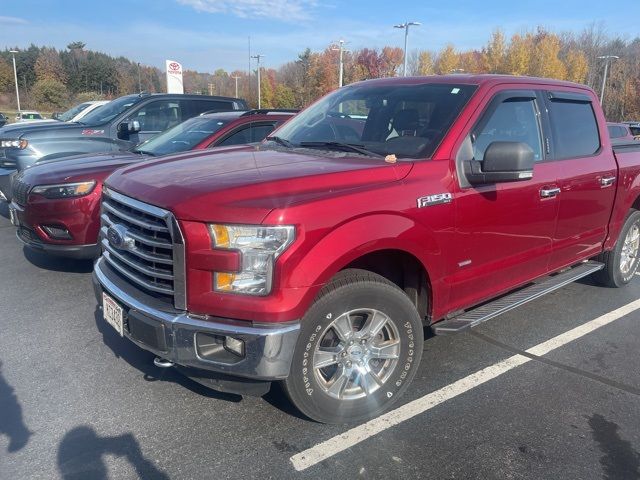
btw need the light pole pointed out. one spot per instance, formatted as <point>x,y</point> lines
<point>406,26</point>
<point>606,59</point>
<point>258,57</point>
<point>236,79</point>
<point>341,63</point>
<point>15,77</point>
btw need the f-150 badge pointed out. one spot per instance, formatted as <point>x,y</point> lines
<point>436,199</point>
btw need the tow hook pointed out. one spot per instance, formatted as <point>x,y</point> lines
<point>162,363</point>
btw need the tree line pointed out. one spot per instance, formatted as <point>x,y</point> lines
<point>52,79</point>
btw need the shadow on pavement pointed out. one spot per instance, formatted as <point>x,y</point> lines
<point>4,209</point>
<point>11,421</point>
<point>81,455</point>
<point>620,460</point>
<point>143,361</point>
<point>57,264</point>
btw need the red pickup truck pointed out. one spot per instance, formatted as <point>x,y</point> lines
<point>388,206</point>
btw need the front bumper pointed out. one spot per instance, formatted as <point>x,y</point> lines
<point>171,334</point>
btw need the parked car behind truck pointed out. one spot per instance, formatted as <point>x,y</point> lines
<point>317,260</point>
<point>56,205</point>
<point>117,126</point>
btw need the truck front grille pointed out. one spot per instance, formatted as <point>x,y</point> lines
<point>143,243</point>
<point>4,161</point>
<point>19,190</point>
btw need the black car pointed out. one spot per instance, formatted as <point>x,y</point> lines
<point>117,126</point>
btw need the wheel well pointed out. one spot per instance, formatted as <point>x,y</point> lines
<point>636,204</point>
<point>403,269</point>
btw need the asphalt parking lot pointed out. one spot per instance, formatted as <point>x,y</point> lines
<point>519,397</point>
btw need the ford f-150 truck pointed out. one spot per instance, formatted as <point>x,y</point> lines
<point>56,205</point>
<point>119,125</point>
<point>388,206</point>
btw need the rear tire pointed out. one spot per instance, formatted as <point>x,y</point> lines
<point>359,347</point>
<point>621,263</point>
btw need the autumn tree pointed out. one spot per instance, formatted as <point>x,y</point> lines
<point>577,66</point>
<point>447,60</point>
<point>49,66</point>
<point>494,54</point>
<point>426,64</point>
<point>518,58</point>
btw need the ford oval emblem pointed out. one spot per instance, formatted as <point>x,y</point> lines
<point>117,236</point>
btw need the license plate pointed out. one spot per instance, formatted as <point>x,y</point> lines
<point>13,216</point>
<point>112,312</point>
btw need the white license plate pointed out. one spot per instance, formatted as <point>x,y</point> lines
<point>112,312</point>
<point>13,216</point>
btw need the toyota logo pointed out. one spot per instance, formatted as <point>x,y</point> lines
<point>118,237</point>
<point>175,66</point>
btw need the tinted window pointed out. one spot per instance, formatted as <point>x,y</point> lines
<point>405,120</point>
<point>196,107</point>
<point>182,137</point>
<point>635,130</point>
<point>158,116</point>
<point>251,133</point>
<point>72,112</point>
<point>574,127</point>
<point>111,110</point>
<point>514,120</point>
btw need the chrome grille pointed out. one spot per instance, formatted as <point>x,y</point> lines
<point>151,253</point>
<point>19,190</point>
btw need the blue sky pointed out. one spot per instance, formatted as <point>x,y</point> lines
<point>209,34</point>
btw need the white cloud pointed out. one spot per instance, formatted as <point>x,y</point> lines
<point>12,21</point>
<point>284,10</point>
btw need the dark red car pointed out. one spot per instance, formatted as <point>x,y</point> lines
<point>56,205</point>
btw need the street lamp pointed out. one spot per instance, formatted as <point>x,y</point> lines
<point>606,59</point>
<point>15,77</point>
<point>406,26</point>
<point>258,57</point>
<point>341,49</point>
<point>236,79</point>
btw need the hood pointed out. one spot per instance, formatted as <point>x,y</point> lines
<point>79,168</point>
<point>15,130</point>
<point>245,185</point>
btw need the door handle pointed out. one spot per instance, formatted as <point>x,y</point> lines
<point>549,192</point>
<point>607,181</point>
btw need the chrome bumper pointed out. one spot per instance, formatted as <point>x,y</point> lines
<point>268,349</point>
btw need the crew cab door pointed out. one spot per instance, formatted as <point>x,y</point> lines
<point>503,230</point>
<point>587,175</point>
<point>152,118</point>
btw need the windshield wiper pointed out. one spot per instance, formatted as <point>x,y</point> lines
<point>144,152</point>
<point>349,147</point>
<point>281,141</point>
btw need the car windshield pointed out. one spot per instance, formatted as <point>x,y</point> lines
<point>109,111</point>
<point>182,137</point>
<point>31,116</point>
<point>635,131</point>
<point>405,120</point>
<point>72,112</point>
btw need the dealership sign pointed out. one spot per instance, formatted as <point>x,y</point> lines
<point>174,77</point>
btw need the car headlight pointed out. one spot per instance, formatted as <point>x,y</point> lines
<point>14,143</point>
<point>64,190</point>
<point>259,247</point>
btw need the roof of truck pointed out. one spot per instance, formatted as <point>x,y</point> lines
<point>471,79</point>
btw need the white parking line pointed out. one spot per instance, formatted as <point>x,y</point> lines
<point>322,451</point>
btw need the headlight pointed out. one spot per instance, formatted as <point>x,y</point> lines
<point>64,190</point>
<point>15,143</point>
<point>259,247</point>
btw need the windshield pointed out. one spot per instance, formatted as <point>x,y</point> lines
<point>72,112</point>
<point>405,120</point>
<point>109,111</point>
<point>31,116</point>
<point>182,137</point>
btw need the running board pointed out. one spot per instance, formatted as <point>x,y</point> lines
<point>491,310</point>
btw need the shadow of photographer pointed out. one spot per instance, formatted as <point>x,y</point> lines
<point>81,455</point>
<point>11,422</point>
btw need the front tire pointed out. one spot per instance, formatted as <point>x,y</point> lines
<point>621,263</point>
<point>359,348</point>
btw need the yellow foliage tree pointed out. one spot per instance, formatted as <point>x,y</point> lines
<point>546,57</point>
<point>518,58</point>
<point>494,55</point>
<point>577,66</point>
<point>448,60</point>
<point>425,63</point>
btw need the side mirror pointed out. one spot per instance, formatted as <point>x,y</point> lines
<point>131,126</point>
<point>503,162</point>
